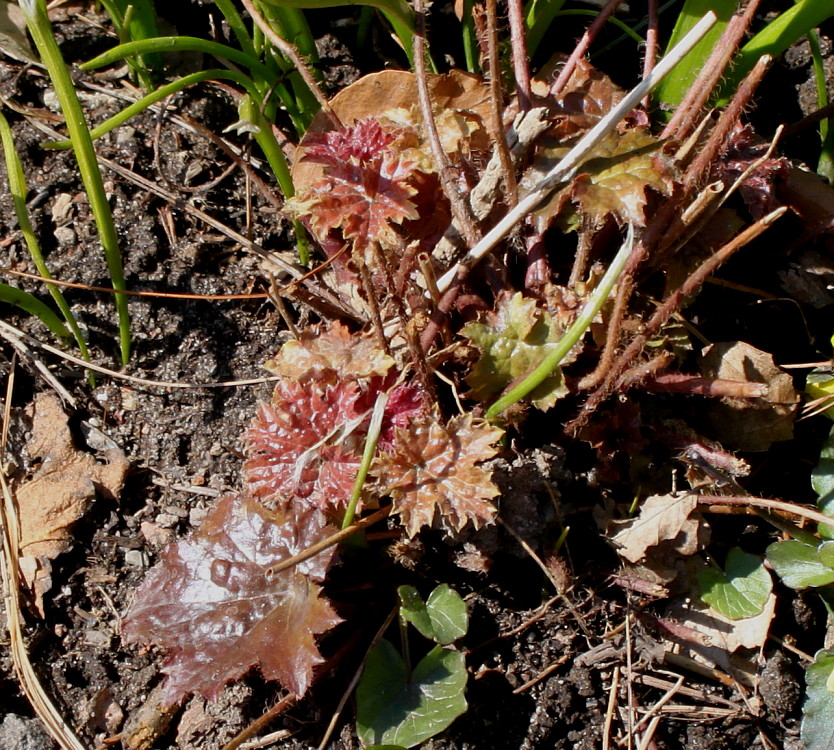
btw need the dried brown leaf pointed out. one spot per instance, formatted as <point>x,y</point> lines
<point>750,424</point>
<point>331,354</point>
<point>662,518</point>
<point>435,469</point>
<point>59,493</point>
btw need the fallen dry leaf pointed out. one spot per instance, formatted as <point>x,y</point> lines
<point>749,424</point>
<point>59,493</point>
<point>662,518</point>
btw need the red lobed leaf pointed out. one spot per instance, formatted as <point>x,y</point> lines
<point>361,199</point>
<point>307,443</point>
<point>358,143</point>
<point>212,604</point>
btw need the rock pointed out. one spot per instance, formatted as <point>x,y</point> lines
<point>19,733</point>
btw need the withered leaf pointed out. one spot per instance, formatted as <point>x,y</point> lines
<point>662,518</point>
<point>213,605</point>
<point>434,469</point>
<point>513,341</point>
<point>60,492</point>
<point>749,424</point>
<point>327,355</point>
<point>307,443</point>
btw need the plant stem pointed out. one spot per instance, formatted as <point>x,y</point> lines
<point>580,152</point>
<point>18,190</point>
<point>572,335</point>
<point>41,31</point>
<point>371,440</point>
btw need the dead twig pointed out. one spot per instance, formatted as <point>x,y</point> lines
<point>666,310</point>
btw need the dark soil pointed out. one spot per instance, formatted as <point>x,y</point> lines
<point>536,680</point>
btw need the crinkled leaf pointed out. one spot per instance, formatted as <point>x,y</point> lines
<point>739,591</point>
<point>799,565</point>
<point>395,709</point>
<point>211,603</point>
<point>307,443</point>
<point>614,181</point>
<point>362,142</point>
<point>662,518</point>
<point>818,712</point>
<point>822,480</point>
<point>443,618</point>
<point>434,468</point>
<point>514,340</point>
<point>360,199</point>
<point>327,355</point>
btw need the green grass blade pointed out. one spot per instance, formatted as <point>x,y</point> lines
<point>25,301</point>
<point>41,32</point>
<point>572,335</point>
<point>538,15</point>
<point>180,44</point>
<point>671,91</point>
<point>399,14</point>
<point>238,27</point>
<point>18,190</point>
<point>777,36</point>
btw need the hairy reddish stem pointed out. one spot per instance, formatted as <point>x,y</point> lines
<point>665,311</point>
<point>496,106</point>
<point>689,110</point>
<point>695,385</point>
<point>583,45</point>
<point>521,62</point>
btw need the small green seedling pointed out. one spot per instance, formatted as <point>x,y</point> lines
<point>739,591</point>
<point>400,707</point>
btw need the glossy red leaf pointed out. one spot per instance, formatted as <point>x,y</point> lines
<point>212,604</point>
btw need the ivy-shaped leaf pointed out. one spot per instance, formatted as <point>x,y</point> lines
<point>514,340</point>
<point>213,605</point>
<point>434,468</point>
<point>443,617</point>
<point>801,565</point>
<point>394,707</point>
<point>818,712</point>
<point>307,443</point>
<point>614,181</point>
<point>739,591</point>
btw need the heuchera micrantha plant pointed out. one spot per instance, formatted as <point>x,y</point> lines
<point>214,602</point>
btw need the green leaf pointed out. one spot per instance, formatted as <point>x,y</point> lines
<point>818,712</point>
<point>672,89</point>
<point>443,618</point>
<point>513,341</point>
<point>741,590</point>
<point>393,709</point>
<point>799,565</point>
<point>776,37</point>
<point>822,480</point>
<point>31,304</point>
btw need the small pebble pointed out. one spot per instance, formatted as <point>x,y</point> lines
<point>166,520</point>
<point>65,236</point>
<point>196,516</point>
<point>135,558</point>
<point>97,639</point>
